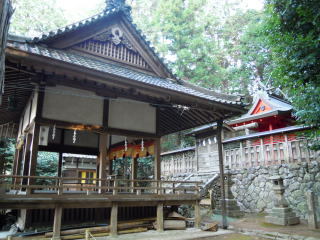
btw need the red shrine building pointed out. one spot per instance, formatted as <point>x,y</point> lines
<point>266,135</point>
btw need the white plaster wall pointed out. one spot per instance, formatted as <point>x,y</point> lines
<point>72,105</point>
<point>132,115</point>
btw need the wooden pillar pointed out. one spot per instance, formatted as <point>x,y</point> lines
<point>221,167</point>
<point>57,223</point>
<point>17,168</point>
<point>60,165</point>
<point>197,215</point>
<point>134,172</point>
<point>103,144</point>
<point>34,153</point>
<point>160,217</point>
<point>114,220</point>
<point>25,158</point>
<point>15,162</point>
<point>157,159</point>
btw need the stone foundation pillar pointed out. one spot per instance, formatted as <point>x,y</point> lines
<point>232,208</point>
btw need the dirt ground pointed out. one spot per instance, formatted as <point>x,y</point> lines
<point>256,222</point>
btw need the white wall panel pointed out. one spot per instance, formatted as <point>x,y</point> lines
<point>72,105</point>
<point>132,115</point>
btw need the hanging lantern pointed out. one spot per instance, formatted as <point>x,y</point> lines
<point>204,142</point>
<point>209,141</point>
<point>74,138</point>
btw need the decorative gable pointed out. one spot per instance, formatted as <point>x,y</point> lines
<point>113,44</point>
<point>261,107</point>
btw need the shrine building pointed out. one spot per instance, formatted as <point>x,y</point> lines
<point>98,88</point>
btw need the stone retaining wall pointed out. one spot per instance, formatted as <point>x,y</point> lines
<point>253,190</point>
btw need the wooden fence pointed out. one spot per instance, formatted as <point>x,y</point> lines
<point>178,163</point>
<point>262,152</point>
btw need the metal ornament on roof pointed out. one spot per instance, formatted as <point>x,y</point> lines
<point>74,138</point>
<point>182,108</point>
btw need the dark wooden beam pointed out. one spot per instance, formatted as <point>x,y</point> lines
<point>105,119</point>
<point>123,132</point>
<point>69,149</point>
<point>69,125</point>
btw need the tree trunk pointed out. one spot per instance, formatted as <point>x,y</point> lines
<point>6,11</point>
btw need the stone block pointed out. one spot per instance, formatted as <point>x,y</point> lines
<point>282,221</point>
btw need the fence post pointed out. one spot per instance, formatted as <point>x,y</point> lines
<point>262,154</point>
<point>242,164</point>
<point>87,236</point>
<point>286,149</point>
<point>115,185</point>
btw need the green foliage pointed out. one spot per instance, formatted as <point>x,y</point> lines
<point>47,165</point>
<point>7,149</point>
<point>122,167</point>
<point>176,141</point>
<point>145,167</point>
<point>34,17</point>
<point>293,29</point>
<point>214,44</point>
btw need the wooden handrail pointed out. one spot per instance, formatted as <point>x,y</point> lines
<point>112,185</point>
<point>96,179</point>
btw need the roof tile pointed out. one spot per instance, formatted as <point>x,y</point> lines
<point>120,71</point>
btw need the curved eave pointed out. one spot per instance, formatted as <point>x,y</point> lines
<point>235,108</point>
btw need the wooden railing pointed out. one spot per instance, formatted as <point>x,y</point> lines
<point>254,152</point>
<point>10,184</point>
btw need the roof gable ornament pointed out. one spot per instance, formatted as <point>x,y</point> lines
<point>118,5</point>
<point>116,36</point>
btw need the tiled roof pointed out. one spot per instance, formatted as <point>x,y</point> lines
<point>103,15</point>
<point>120,71</point>
<point>178,150</point>
<point>266,133</point>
